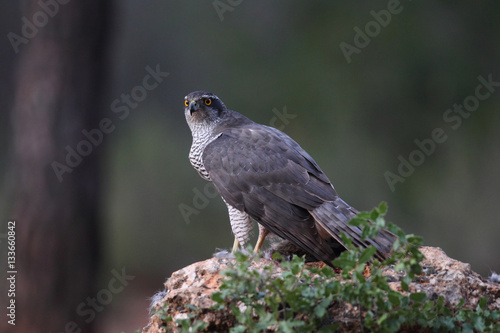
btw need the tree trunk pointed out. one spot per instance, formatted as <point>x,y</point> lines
<point>59,81</point>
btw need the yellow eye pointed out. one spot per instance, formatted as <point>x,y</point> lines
<point>186,103</point>
<point>208,101</point>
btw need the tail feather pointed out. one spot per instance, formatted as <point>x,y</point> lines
<point>333,217</point>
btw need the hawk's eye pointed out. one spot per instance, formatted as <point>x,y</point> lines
<point>208,101</point>
<point>186,103</point>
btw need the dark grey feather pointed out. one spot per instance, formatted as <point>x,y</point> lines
<point>262,171</point>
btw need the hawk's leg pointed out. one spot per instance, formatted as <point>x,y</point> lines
<point>236,245</point>
<point>241,224</point>
<point>263,232</point>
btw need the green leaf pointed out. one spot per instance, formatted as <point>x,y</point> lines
<point>404,285</point>
<point>400,267</point>
<point>367,254</point>
<point>467,328</point>
<point>287,327</point>
<point>343,263</point>
<point>396,245</point>
<point>277,256</point>
<point>394,298</point>
<point>327,272</point>
<point>382,318</point>
<point>217,297</point>
<point>357,222</point>
<point>479,324</point>
<point>382,208</point>
<point>319,311</point>
<point>363,216</point>
<point>380,223</point>
<point>483,302</point>
<point>238,329</point>
<point>418,297</point>
<point>240,256</point>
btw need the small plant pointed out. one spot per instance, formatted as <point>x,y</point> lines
<point>188,325</point>
<point>300,299</point>
<point>296,301</point>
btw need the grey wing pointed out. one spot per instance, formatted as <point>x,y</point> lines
<point>260,170</point>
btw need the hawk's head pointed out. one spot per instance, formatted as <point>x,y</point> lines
<point>202,107</point>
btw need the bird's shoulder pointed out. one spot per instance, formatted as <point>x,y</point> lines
<point>240,138</point>
<point>245,144</point>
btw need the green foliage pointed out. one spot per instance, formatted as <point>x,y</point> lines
<point>294,301</point>
<point>299,298</point>
<point>188,325</point>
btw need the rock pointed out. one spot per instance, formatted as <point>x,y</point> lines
<point>454,280</point>
<point>194,284</point>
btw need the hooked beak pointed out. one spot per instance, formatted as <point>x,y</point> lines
<point>193,107</point>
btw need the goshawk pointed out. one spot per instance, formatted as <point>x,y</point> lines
<point>261,173</point>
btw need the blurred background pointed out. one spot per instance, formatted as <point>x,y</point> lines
<point>94,145</point>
